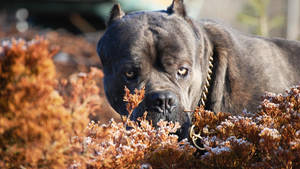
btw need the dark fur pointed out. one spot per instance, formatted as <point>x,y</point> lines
<point>156,44</point>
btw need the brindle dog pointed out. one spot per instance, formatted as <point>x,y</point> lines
<point>169,54</point>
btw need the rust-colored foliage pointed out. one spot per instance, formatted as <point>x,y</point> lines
<point>114,146</point>
<point>44,124</point>
<point>81,96</point>
<point>133,100</point>
<point>33,122</point>
<point>36,122</point>
<point>76,54</point>
<point>80,50</point>
<point>267,139</point>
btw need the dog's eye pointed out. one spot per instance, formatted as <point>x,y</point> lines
<point>182,71</point>
<point>130,75</point>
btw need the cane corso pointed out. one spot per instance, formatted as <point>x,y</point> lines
<point>182,63</point>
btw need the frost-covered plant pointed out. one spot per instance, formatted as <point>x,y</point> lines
<point>113,145</point>
<point>267,139</point>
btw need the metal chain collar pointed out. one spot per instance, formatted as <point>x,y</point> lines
<point>193,135</point>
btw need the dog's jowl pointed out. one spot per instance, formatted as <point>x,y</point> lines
<point>183,63</point>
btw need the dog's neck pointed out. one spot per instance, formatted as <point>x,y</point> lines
<point>208,67</point>
<point>207,83</point>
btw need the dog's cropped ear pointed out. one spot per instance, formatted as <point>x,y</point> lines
<point>116,13</point>
<point>177,7</point>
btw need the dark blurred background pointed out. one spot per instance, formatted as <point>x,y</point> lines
<point>263,17</point>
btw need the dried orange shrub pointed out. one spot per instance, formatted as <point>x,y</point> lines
<point>79,49</point>
<point>81,96</point>
<point>33,121</point>
<point>133,100</point>
<point>114,145</point>
<point>35,124</point>
<point>76,54</point>
<point>267,139</point>
<point>43,124</point>
<point>176,155</point>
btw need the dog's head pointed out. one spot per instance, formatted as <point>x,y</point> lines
<point>162,51</point>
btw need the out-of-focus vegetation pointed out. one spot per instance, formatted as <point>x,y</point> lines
<point>35,126</point>
<point>44,123</point>
<point>256,15</point>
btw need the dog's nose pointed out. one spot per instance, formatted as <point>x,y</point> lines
<point>164,101</point>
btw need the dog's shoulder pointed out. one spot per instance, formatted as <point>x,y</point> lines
<point>223,35</point>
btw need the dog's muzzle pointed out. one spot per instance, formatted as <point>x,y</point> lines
<point>161,101</point>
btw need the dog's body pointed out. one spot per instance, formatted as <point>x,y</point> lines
<point>247,66</point>
<point>169,54</point>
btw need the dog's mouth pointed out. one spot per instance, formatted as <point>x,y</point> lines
<point>155,113</point>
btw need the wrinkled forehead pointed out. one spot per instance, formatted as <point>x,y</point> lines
<point>150,33</point>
